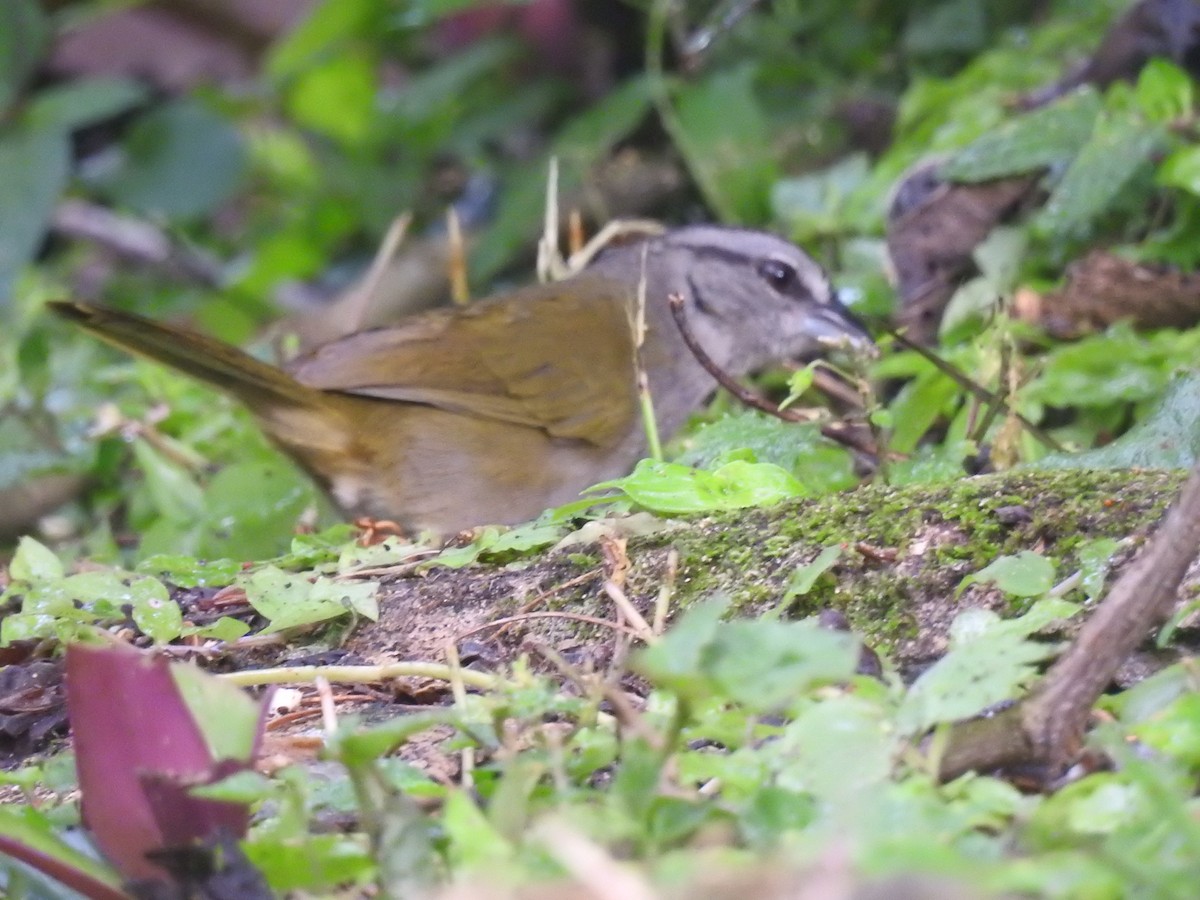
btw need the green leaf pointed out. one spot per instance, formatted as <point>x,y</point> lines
<point>79,103</point>
<point>1095,559</point>
<point>765,665</point>
<point>804,577</point>
<point>189,572</point>
<point>1118,366</point>
<point>1181,169</point>
<point>336,98</point>
<point>225,628</point>
<point>358,597</point>
<point>1036,140</point>
<point>967,681</point>
<point>153,611</point>
<point>1027,574</point>
<point>34,562</point>
<point>951,26</point>
<point>228,718</point>
<point>1150,696</point>
<point>814,205</point>
<point>1169,438</point>
<point>285,598</point>
<point>815,758</point>
<point>676,659</point>
<point>251,508</point>
<point>675,489</point>
<point>724,137</point>
<point>816,461</point>
<point>762,664</point>
<point>472,842</point>
<point>355,745</point>
<point>34,165</point>
<point>181,161</point>
<point>1119,148</point>
<point>1175,730</point>
<point>317,864</point>
<point>176,495</point>
<point>989,660</point>
<point>24,35</point>
<point>1164,91</point>
<point>327,23</point>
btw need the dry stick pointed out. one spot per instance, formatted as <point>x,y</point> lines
<point>1046,728</point>
<point>357,311</point>
<point>460,289</point>
<point>529,605</point>
<point>748,397</point>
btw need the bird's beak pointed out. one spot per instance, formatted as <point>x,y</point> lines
<point>833,325</point>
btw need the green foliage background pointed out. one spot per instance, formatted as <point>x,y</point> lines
<point>298,176</point>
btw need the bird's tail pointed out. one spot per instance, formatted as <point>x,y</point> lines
<point>259,385</point>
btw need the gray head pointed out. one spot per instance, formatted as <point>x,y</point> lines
<point>752,298</point>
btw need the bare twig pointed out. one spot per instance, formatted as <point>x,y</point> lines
<point>356,312</point>
<point>973,387</point>
<point>547,614</point>
<point>744,395</point>
<point>460,291</point>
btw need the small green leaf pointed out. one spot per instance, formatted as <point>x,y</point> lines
<point>1027,574</point>
<point>804,577</point>
<point>968,680</point>
<point>287,599</point>
<point>1164,91</point>
<point>189,572</point>
<point>1181,169</point>
<point>225,628</point>
<point>674,489</point>
<point>336,97</point>
<point>153,611</point>
<point>34,562</point>
<point>1095,558</point>
<point>1175,730</point>
<point>799,382</point>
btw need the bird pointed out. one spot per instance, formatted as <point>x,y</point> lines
<point>492,412</point>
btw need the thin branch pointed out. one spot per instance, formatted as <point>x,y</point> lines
<point>973,387</point>
<point>743,394</point>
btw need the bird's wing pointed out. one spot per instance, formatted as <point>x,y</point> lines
<point>556,357</point>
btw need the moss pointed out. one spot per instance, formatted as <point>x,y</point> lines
<point>750,555</point>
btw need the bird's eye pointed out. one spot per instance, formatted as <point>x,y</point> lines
<point>777,273</point>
